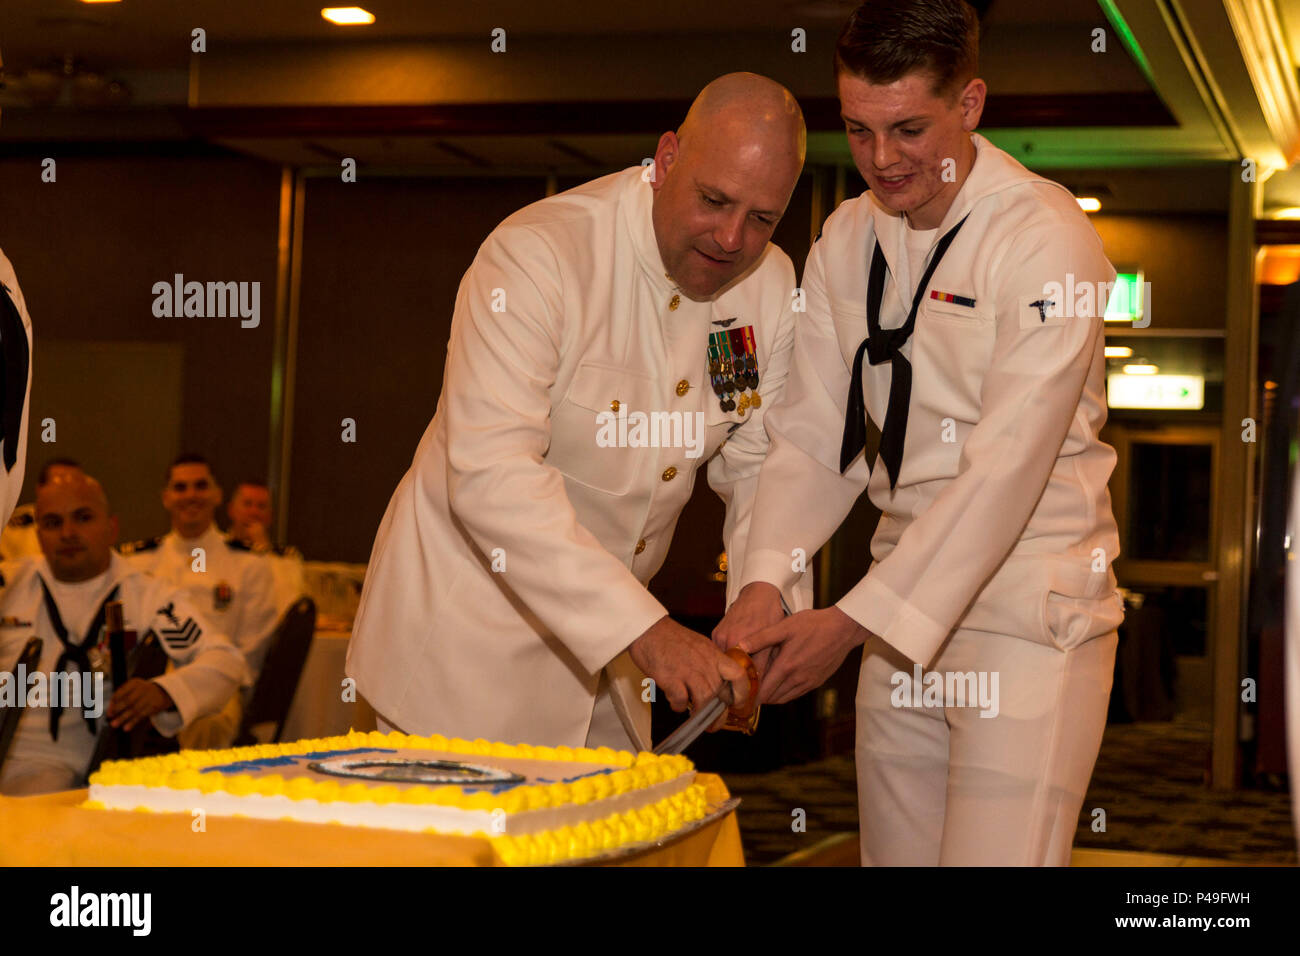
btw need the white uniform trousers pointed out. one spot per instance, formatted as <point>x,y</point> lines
<point>941,785</point>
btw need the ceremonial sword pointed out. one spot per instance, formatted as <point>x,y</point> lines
<point>743,719</point>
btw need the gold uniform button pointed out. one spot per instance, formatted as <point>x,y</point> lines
<point>683,387</point>
<point>613,406</point>
<point>640,546</point>
<point>674,302</point>
<point>670,473</point>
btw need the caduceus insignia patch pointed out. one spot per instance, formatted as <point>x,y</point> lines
<point>1037,311</point>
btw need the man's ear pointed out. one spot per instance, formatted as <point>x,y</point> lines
<point>972,104</point>
<point>117,530</point>
<point>666,153</point>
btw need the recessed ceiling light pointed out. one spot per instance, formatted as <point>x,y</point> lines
<point>1089,203</point>
<point>348,16</point>
<point>1118,351</point>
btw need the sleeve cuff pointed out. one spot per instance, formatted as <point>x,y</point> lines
<point>639,619</point>
<point>772,567</point>
<point>169,723</point>
<point>898,623</point>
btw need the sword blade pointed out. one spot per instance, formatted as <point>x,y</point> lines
<point>692,727</point>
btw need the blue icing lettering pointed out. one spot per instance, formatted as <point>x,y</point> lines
<point>289,760</point>
<point>503,787</point>
<point>593,773</point>
<point>492,788</point>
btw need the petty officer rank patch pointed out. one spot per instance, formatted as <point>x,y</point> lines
<point>1037,311</point>
<point>179,636</point>
<point>733,368</point>
<point>222,595</point>
<point>953,298</point>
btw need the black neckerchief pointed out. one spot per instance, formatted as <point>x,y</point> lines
<point>884,345</point>
<point>72,653</point>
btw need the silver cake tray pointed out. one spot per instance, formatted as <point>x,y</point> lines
<point>630,850</point>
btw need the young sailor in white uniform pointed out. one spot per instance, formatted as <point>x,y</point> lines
<point>938,300</point>
<point>506,594</point>
<point>60,598</point>
<point>234,589</point>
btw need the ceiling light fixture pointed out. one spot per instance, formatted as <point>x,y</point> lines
<point>348,16</point>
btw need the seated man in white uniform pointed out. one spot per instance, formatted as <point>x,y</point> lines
<point>936,307</point>
<point>60,599</point>
<point>506,595</point>
<point>249,510</point>
<point>234,589</point>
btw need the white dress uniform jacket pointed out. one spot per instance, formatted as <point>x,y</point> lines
<point>11,480</point>
<point>1001,519</point>
<point>235,591</point>
<point>288,576</point>
<point>510,472</point>
<point>287,572</point>
<point>208,667</point>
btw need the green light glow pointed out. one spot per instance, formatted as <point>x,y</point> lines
<point>1125,303</point>
<point>1126,37</point>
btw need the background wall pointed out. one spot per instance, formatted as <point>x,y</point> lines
<point>1184,257</point>
<point>380,267</point>
<point>87,250</point>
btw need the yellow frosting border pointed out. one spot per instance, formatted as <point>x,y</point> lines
<point>588,839</point>
<point>183,771</point>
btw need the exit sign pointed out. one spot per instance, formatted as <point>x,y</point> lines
<point>1185,392</point>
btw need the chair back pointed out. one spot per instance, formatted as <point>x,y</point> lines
<point>273,693</point>
<point>9,716</point>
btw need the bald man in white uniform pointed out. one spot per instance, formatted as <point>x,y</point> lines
<point>506,594</point>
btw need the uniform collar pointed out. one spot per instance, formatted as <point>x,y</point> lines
<point>992,171</point>
<point>118,568</point>
<point>637,204</point>
<point>208,540</point>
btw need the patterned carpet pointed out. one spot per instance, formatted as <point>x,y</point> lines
<point>1149,780</point>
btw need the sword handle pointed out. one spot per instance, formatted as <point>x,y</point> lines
<point>745,718</point>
